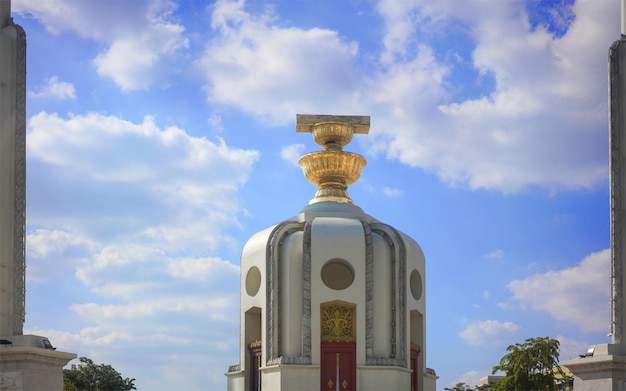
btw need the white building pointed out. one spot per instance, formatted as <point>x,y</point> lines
<point>332,299</point>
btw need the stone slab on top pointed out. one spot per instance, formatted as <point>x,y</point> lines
<point>361,123</point>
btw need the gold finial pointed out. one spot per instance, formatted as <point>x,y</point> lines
<point>332,170</point>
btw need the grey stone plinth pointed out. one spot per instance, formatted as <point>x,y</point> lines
<point>604,371</point>
<point>27,368</point>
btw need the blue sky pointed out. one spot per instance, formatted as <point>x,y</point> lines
<point>161,136</point>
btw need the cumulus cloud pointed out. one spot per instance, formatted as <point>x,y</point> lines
<point>55,88</point>
<point>543,122</point>
<point>51,252</point>
<point>144,42</point>
<point>272,72</point>
<point>292,153</point>
<point>392,192</point>
<point>132,214</point>
<point>139,62</point>
<point>200,268</point>
<point>489,332</point>
<point>44,242</point>
<point>495,254</point>
<point>570,348</point>
<point>578,294</point>
<point>146,183</point>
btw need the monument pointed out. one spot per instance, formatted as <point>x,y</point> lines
<point>332,299</point>
<point>603,366</point>
<point>27,362</point>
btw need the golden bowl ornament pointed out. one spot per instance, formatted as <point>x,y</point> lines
<point>332,135</point>
<point>332,172</point>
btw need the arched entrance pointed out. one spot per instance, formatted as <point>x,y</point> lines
<point>338,346</point>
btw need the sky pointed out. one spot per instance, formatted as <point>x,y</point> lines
<point>161,136</point>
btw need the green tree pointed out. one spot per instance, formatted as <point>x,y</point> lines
<point>530,365</point>
<point>88,376</point>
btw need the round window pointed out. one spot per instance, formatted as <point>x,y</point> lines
<point>415,283</point>
<point>253,281</point>
<point>337,274</point>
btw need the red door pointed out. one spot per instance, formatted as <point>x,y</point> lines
<point>255,367</point>
<point>414,368</point>
<point>338,366</point>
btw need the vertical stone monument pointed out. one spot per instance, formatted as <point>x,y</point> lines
<point>603,366</point>
<point>27,362</point>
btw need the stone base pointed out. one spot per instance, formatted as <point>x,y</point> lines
<point>31,368</point>
<point>605,370</point>
<point>307,378</point>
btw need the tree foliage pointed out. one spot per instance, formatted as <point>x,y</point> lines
<point>88,376</point>
<point>530,365</point>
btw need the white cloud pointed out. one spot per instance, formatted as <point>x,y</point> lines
<point>141,61</point>
<point>200,268</point>
<point>52,252</point>
<point>138,308</point>
<point>43,242</point>
<point>92,337</point>
<point>153,206</point>
<point>148,185</point>
<point>495,254</point>
<point>545,121</point>
<point>392,192</point>
<point>144,42</point>
<point>401,21</point>
<point>192,304</point>
<point>578,294</point>
<point>542,123</point>
<point>95,20</point>
<point>55,88</point>
<point>273,73</point>
<point>292,153</point>
<point>488,332</point>
<point>569,348</point>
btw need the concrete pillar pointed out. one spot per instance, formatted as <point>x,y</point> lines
<point>12,173</point>
<point>617,140</point>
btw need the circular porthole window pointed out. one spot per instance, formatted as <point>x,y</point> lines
<point>415,284</point>
<point>253,281</point>
<point>337,274</point>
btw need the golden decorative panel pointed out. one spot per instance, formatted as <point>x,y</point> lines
<point>337,322</point>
